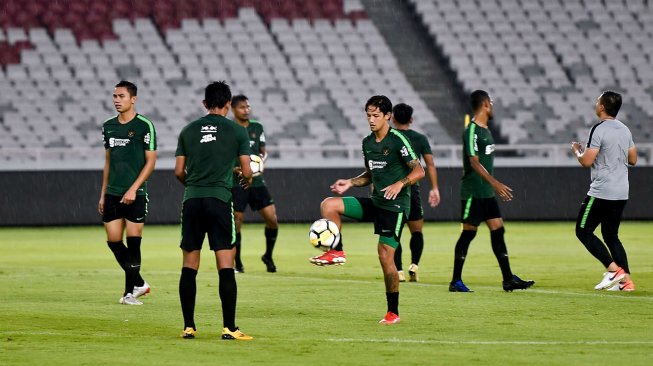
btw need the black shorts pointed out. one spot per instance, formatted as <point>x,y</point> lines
<point>387,224</point>
<point>207,215</point>
<point>257,198</point>
<point>416,211</point>
<point>114,210</point>
<point>594,211</point>
<point>473,211</point>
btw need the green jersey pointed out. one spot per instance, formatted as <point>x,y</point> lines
<point>419,143</point>
<point>127,143</point>
<point>211,145</point>
<point>387,161</point>
<point>256,142</point>
<point>477,141</point>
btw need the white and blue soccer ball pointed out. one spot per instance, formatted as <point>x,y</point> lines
<point>324,234</point>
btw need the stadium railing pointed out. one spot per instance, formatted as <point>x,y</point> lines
<point>317,156</point>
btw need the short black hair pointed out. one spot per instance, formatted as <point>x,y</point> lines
<point>217,95</point>
<point>611,101</point>
<point>402,113</point>
<point>477,98</point>
<point>237,99</point>
<point>131,87</point>
<point>381,102</point>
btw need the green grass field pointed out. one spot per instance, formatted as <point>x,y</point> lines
<point>60,289</point>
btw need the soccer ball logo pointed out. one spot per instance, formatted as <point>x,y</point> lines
<point>324,234</point>
<point>256,163</point>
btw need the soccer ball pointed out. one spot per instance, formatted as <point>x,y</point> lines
<point>256,163</point>
<point>324,234</point>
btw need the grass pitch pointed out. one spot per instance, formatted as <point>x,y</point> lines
<point>60,289</point>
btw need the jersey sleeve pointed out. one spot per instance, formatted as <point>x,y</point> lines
<point>149,137</point>
<point>470,147</point>
<point>405,148</point>
<point>243,141</point>
<point>181,149</point>
<point>261,138</point>
<point>105,140</point>
<point>426,147</point>
<point>596,136</point>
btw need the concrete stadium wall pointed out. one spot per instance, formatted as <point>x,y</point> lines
<point>70,197</point>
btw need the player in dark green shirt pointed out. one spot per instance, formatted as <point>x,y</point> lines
<point>207,150</point>
<point>391,166</point>
<point>257,195</point>
<point>477,190</point>
<point>402,118</point>
<point>129,159</point>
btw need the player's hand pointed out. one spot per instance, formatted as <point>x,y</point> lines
<point>576,147</point>
<point>129,197</point>
<point>341,186</point>
<point>100,206</point>
<point>238,170</point>
<point>434,197</point>
<point>244,182</point>
<point>390,192</point>
<point>504,192</point>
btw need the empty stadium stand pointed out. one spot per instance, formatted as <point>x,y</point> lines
<point>546,61</point>
<point>307,68</point>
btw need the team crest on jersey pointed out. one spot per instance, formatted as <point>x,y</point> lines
<point>386,151</point>
<point>131,134</point>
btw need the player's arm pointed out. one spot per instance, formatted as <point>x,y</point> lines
<point>105,181</point>
<point>148,168</point>
<point>245,173</point>
<point>416,173</point>
<point>501,189</point>
<point>342,185</point>
<point>180,168</point>
<point>632,156</point>
<point>434,193</point>
<point>263,152</point>
<point>585,158</point>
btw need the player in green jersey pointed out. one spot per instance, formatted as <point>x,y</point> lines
<point>257,195</point>
<point>477,190</point>
<point>391,166</point>
<point>206,152</point>
<point>129,159</point>
<point>402,118</point>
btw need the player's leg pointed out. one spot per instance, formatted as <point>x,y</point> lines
<point>469,221</point>
<point>332,208</point>
<point>135,221</point>
<point>415,225</point>
<point>220,224</point>
<point>240,198</point>
<point>269,215</point>
<point>590,215</point>
<point>388,225</point>
<point>192,236</point>
<point>610,232</point>
<point>492,216</point>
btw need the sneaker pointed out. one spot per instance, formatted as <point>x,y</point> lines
<point>413,275</point>
<point>390,318</point>
<point>610,279</point>
<point>627,286</point>
<point>458,286</point>
<point>141,290</point>
<point>269,264</point>
<point>129,299</point>
<point>240,269</point>
<point>235,335</point>
<point>402,277</point>
<point>188,333</point>
<point>516,283</point>
<point>331,257</point>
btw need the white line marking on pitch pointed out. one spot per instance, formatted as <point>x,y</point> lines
<point>492,343</point>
